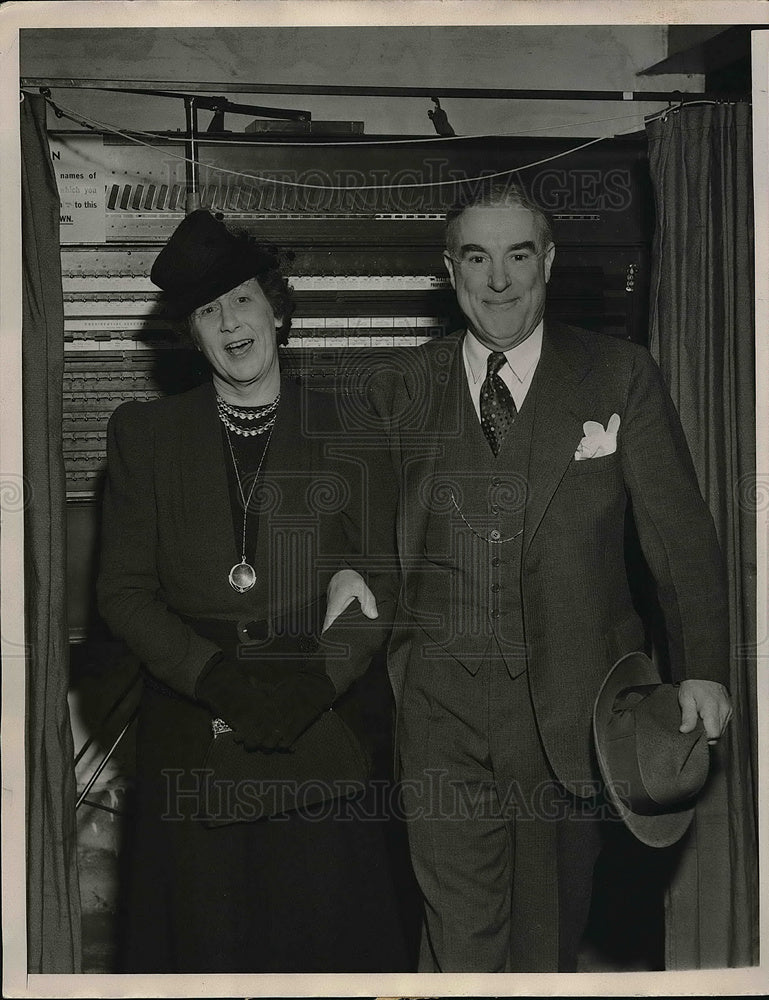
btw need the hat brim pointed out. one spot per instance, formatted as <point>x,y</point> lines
<point>179,306</point>
<point>663,829</point>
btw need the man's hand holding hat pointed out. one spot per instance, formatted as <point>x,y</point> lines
<point>706,700</point>
<point>651,742</point>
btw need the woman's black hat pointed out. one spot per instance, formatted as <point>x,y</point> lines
<point>202,260</point>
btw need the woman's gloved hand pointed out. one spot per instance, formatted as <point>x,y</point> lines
<point>264,716</point>
<point>231,695</point>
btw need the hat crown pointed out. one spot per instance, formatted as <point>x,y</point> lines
<point>203,259</point>
<point>672,766</point>
<point>652,771</point>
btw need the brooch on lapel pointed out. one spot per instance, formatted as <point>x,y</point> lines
<point>598,440</point>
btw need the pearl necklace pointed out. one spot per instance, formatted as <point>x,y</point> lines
<point>229,414</point>
<point>246,414</point>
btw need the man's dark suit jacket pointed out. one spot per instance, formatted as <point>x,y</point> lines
<point>577,608</point>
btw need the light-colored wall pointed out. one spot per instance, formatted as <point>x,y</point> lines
<point>580,57</point>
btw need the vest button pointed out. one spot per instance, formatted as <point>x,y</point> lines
<point>495,561</point>
<point>495,535</point>
<point>495,588</point>
<point>496,481</point>
<point>495,612</point>
<point>494,509</point>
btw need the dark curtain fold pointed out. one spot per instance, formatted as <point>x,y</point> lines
<point>53,896</point>
<point>702,335</point>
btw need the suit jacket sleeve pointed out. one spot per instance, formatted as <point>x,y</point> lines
<point>129,590</point>
<point>352,640</point>
<point>675,528</point>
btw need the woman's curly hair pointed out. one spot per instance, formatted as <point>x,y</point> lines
<point>280,294</point>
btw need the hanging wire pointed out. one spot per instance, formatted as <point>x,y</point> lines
<point>368,142</point>
<point>95,124</point>
<point>351,142</point>
<point>671,110</point>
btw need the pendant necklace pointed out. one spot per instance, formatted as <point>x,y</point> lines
<point>242,576</point>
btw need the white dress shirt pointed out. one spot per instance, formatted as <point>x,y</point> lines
<point>516,374</point>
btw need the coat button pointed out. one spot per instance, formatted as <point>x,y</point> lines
<point>495,612</point>
<point>494,509</point>
<point>496,481</point>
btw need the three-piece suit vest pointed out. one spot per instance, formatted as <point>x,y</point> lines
<point>470,593</point>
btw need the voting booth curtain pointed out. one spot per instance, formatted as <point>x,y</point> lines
<point>53,897</point>
<point>702,335</point>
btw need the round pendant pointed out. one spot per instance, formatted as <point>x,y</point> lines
<point>242,577</point>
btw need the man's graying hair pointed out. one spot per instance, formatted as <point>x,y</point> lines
<point>498,194</point>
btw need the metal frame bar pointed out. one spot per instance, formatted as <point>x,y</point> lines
<point>113,708</point>
<point>221,104</point>
<point>105,759</point>
<point>100,805</point>
<point>472,93</point>
<point>191,166</point>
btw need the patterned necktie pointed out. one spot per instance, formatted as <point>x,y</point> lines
<point>498,410</point>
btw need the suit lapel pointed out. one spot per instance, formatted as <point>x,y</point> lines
<point>437,382</point>
<point>560,409</point>
<point>436,426</point>
<point>449,385</point>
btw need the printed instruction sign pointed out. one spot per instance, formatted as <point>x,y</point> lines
<point>79,169</point>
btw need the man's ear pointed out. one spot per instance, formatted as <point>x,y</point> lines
<point>448,260</point>
<point>549,258</point>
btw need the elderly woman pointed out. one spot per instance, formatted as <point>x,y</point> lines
<point>223,523</point>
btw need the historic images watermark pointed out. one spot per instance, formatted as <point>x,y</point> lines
<point>430,187</point>
<point>199,795</point>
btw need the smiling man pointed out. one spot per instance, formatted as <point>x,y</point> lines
<point>499,263</point>
<point>518,448</point>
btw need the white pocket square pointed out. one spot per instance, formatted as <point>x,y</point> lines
<point>598,440</point>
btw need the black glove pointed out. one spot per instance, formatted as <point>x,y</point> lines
<point>295,704</point>
<point>233,696</point>
<point>263,716</point>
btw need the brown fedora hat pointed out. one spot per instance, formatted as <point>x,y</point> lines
<point>652,772</point>
<point>202,260</point>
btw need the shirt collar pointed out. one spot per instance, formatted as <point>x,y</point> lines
<point>521,358</point>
